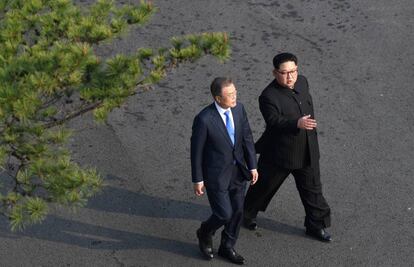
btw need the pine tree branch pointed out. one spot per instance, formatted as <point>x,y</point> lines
<point>73,115</point>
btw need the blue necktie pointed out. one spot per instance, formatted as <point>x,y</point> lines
<point>229,126</point>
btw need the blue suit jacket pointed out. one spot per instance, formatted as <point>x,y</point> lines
<point>212,152</point>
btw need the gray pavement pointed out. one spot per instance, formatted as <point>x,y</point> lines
<point>358,57</point>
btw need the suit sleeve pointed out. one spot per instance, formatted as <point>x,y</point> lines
<point>310,98</point>
<point>248,143</point>
<point>198,140</point>
<point>274,119</point>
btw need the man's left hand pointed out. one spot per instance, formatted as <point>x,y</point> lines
<point>255,176</point>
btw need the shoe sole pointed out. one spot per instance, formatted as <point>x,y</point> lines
<point>318,238</point>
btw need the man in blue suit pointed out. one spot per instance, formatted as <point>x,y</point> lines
<point>223,158</point>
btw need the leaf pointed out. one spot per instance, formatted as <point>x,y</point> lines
<point>4,152</point>
<point>36,209</point>
<point>17,218</point>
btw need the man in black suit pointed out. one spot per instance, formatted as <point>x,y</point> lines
<point>289,145</point>
<point>223,158</point>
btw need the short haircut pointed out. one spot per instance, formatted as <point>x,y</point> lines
<point>282,58</point>
<point>218,84</point>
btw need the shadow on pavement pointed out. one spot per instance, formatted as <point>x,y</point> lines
<point>118,200</point>
<point>90,236</point>
<point>279,227</point>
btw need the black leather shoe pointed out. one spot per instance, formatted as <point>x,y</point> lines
<point>319,234</point>
<point>231,255</point>
<point>205,243</point>
<point>250,224</point>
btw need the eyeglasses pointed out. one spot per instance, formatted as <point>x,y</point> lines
<point>287,73</point>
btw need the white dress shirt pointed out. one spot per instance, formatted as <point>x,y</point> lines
<point>223,116</point>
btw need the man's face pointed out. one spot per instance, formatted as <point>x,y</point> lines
<point>228,97</point>
<point>287,74</point>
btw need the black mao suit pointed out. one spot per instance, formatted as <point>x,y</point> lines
<point>285,149</point>
<point>218,163</point>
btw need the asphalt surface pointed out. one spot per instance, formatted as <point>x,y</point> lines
<point>358,57</point>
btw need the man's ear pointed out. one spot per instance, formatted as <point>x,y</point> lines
<point>217,98</point>
<point>274,72</point>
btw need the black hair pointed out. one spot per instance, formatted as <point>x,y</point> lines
<point>218,84</point>
<point>282,58</point>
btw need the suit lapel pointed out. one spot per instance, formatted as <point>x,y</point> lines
<point>218,122</point>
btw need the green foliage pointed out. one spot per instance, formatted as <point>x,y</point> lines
<point>50,74</point>
<point>29,210</point>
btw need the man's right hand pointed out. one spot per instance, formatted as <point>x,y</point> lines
<point>198,189</point>
<point>306,123</point>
